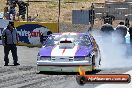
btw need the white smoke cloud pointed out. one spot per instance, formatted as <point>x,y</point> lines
<point>114,55</point>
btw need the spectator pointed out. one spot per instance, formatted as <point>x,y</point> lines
<point>41,38</point>
<point>91,15</point>
<point>9,41</point>
<point>12,10</point>
<point>121,31</point>
<point>108,18</point>
<point>92,6</point>
<point>106,31</point>
<point>130,32</point>
<point>22,8</point>
<point>44,37</point>
<point>49,33</point>
<point>6,13</point>
<point>127,22</point>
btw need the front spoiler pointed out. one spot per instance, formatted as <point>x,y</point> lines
<point>41,62</point>
<point>72,66</point>
<point>63,68</point>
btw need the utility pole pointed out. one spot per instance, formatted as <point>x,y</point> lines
<point>27,10</point>
<point>92,16</point>
<point>59,15</point>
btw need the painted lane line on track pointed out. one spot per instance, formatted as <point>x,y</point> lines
<point>129,85</point>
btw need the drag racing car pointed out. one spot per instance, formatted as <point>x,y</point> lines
<point>66,52</point>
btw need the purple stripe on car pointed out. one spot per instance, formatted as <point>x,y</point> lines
<point>83,51</point>
<point>46,51</point>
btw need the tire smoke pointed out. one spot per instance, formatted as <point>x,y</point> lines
<point>114,54</point>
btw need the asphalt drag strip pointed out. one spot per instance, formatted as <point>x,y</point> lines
<point>27,76</point>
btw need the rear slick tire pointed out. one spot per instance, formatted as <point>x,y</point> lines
<point>93,64</point>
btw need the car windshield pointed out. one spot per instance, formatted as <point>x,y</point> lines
<point>82,40</point>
